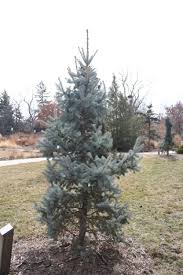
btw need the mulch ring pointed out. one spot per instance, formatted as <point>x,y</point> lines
<point>40,256</point>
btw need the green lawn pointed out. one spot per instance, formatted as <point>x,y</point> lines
<point>155,199</point>
<point>154,195</point>
<point>20,187</point>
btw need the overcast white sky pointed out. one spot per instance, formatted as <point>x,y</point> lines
<point>39,39</point>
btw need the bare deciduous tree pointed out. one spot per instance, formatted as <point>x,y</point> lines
<point>31,112</point>
<point>175,113</point>
<point>132,90</point>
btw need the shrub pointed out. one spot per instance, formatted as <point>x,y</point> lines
<point>180,150</point>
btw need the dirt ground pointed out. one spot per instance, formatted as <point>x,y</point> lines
<point>43,256</point>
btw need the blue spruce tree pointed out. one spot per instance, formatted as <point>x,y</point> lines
<point>83,196</point>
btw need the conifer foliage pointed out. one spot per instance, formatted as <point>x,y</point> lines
<point>123,119</point>
<point>167,145</point>
<point>42,95</point>
<point>6,114</point>
<point>150,119</point>
<point>83,197</point>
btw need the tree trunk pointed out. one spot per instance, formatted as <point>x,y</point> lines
<point>83,220</point>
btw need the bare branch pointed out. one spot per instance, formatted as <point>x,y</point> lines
<point>31,110</point>
<point>132,89</point>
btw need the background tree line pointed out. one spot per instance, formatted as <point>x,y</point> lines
<point>39,107</point>
<point>128,114</point>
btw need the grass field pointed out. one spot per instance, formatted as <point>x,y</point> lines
<point>155,199</point>
<point>21,187</point>
<point>154,195</point>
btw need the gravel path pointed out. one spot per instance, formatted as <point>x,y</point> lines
<point>172,154</point>
<point>20,161</point>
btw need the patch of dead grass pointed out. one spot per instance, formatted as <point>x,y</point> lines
<point>19,154</point>
<point>26,139</point>
<point>19,140</point>
<point>7,143</point>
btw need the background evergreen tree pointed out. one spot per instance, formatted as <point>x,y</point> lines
<point>44,105</point>
<point>123,120</point>
<point>18,117</point>
<point>113,112</point>
<point>150,119</point>
<point>167,145</point>
<point>41,95</point>
<point>6,114</point>
<point>83,196</point>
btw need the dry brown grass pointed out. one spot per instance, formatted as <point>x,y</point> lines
<point>15,154</point>
<point>19,146</point>
<point>154,144</point>
<point>177,140</point>
<point>19,140</point>
<point>8,143</point>
<point>26,139</point>
<point>23,139</point>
